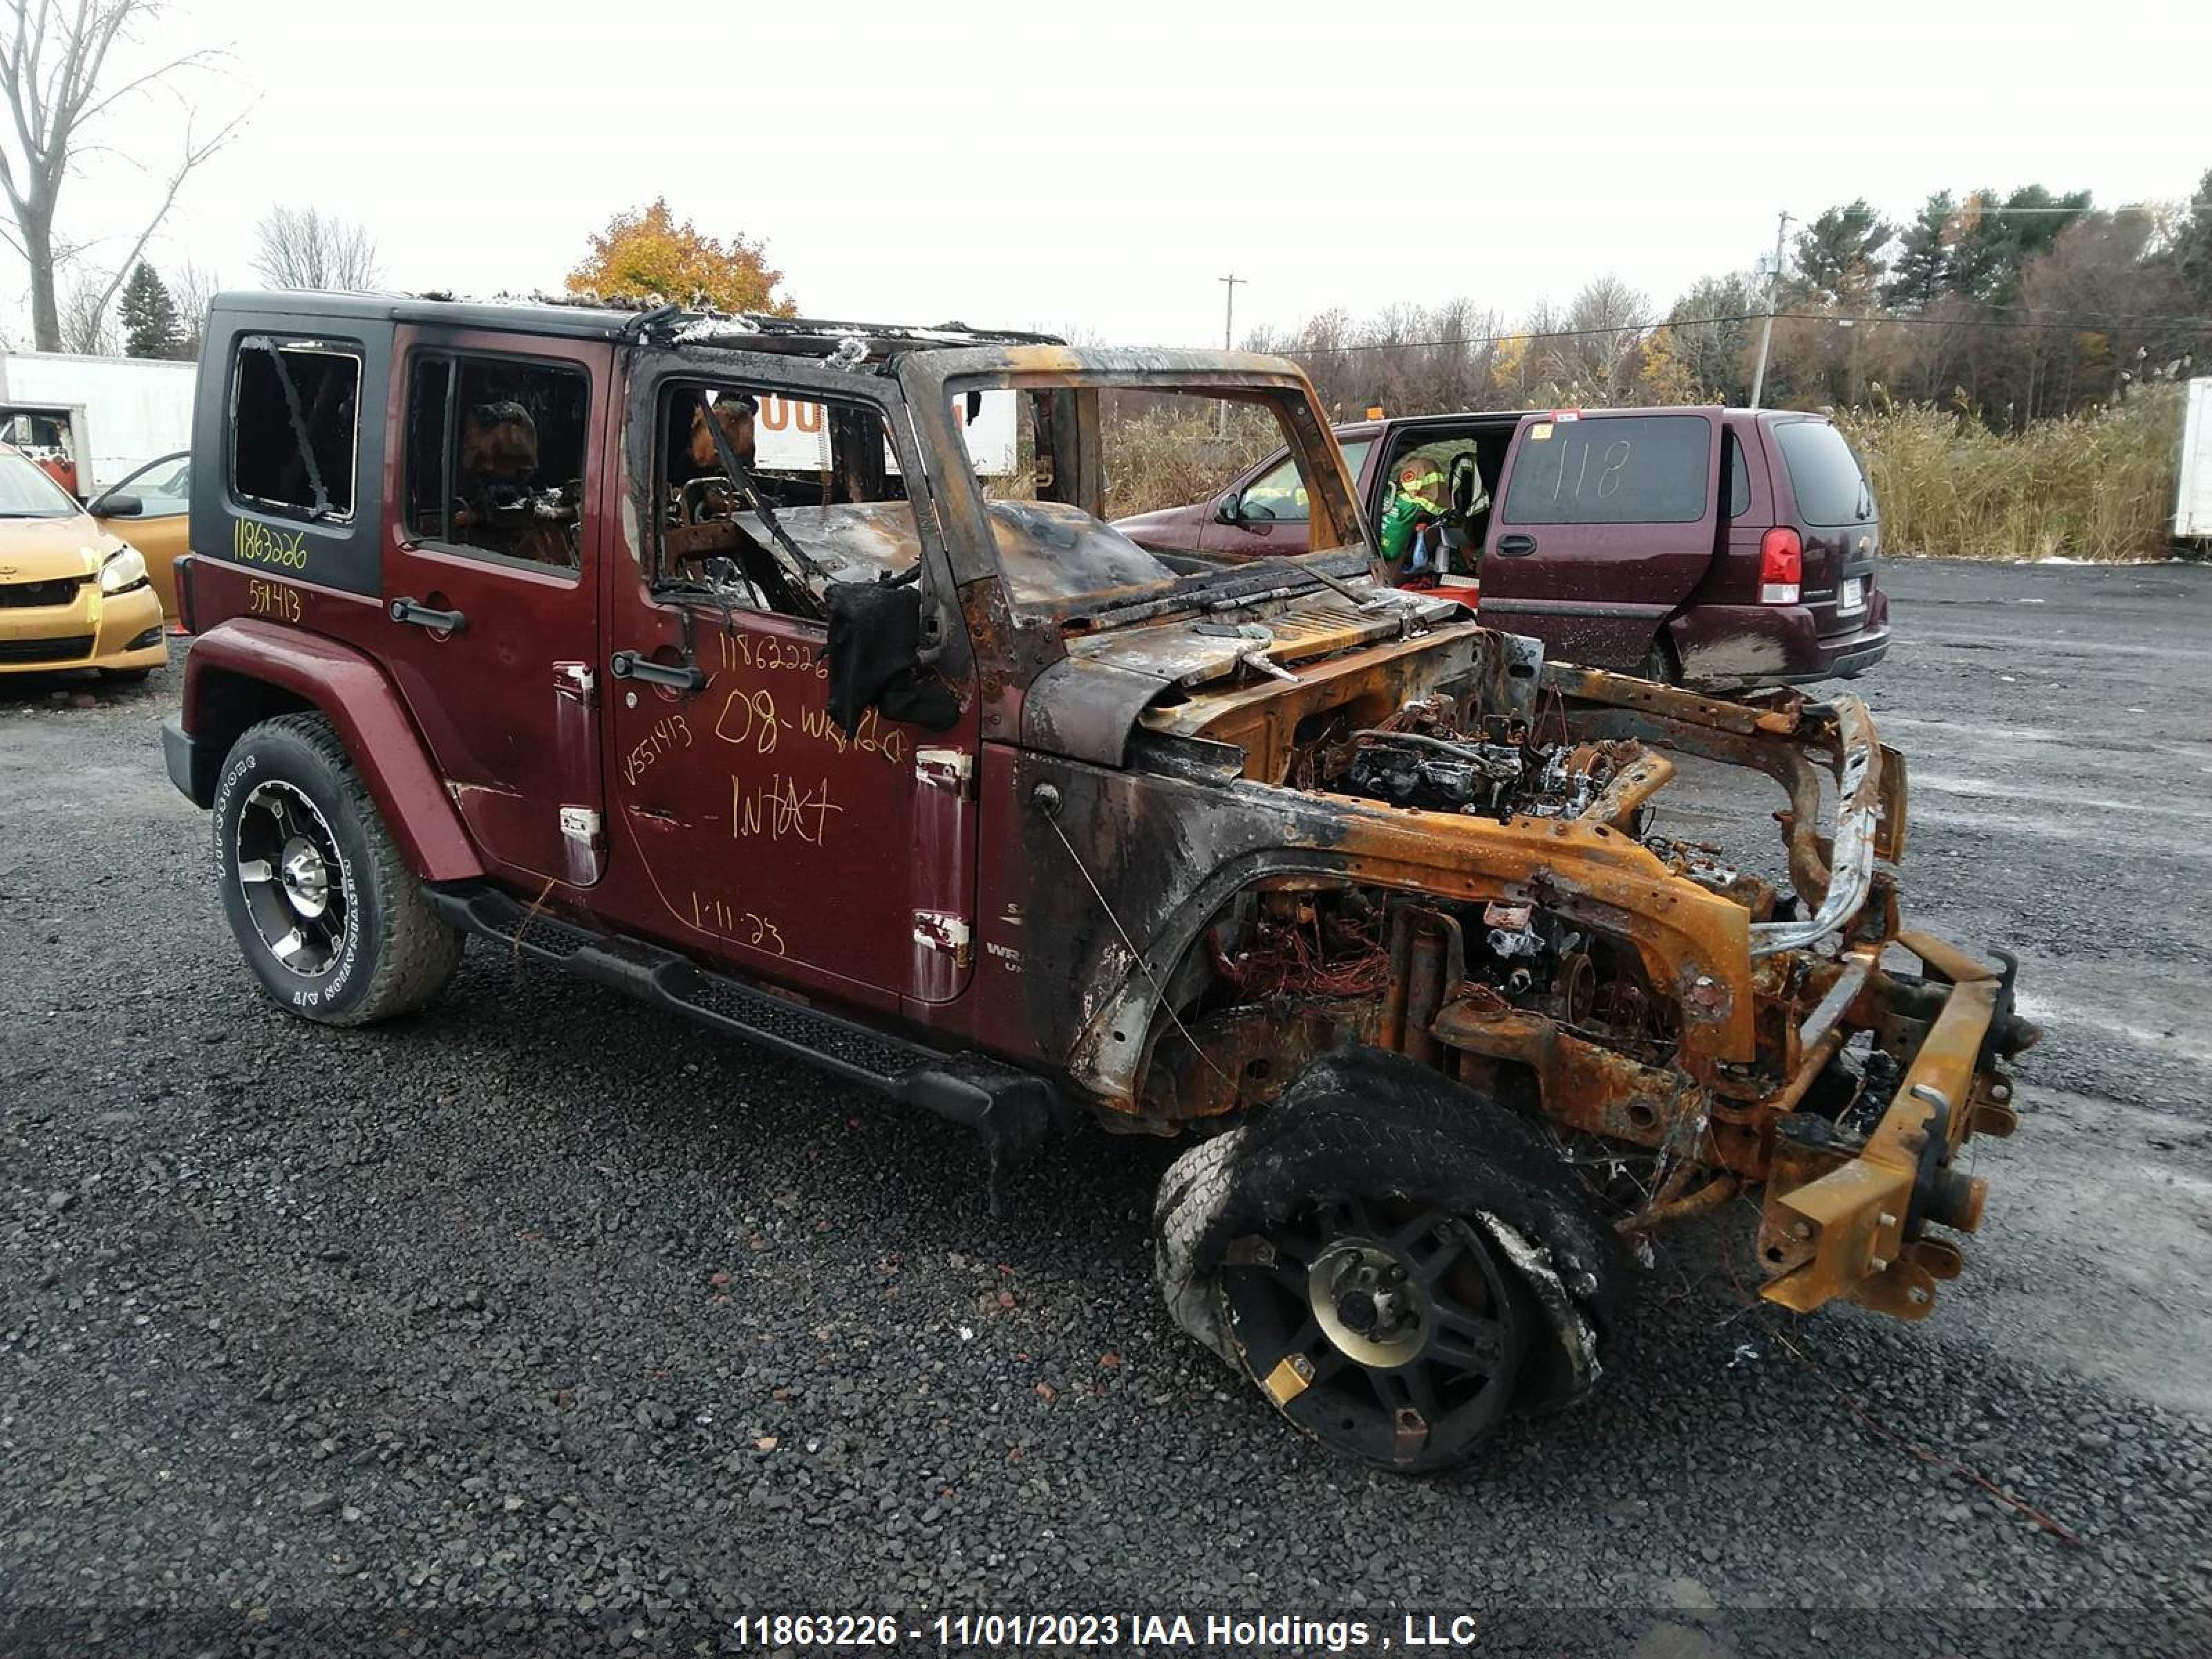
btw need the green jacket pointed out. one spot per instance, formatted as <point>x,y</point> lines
<point>1398,518</point>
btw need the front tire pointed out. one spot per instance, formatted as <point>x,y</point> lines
<point>331,919</point>
<point>1394,1260</point>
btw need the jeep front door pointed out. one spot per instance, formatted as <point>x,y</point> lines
<point>745,823</point>
<point>491,570</point>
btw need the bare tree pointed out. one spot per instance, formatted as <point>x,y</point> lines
<point>1604,320</point>
<point>87,322</point>
<point>193,287</point>
<point>55,62</point>
<point>306,248</point>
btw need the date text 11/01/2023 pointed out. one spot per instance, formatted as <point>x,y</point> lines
<point>1240,1632</point>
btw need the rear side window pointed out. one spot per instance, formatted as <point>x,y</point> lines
<point>295,426</point>
<point>1739,476</point>
<point>495,457</point>
<point>1639,468</point>
<point>1824,474</point>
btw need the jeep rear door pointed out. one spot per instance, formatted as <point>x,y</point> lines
<point>491,569</point>
<point>1606,520</point>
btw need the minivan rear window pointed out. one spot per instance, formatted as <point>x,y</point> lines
<point>1824,474</point>
<point>1635,469</point>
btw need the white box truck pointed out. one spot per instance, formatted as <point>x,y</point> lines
<point>92,422</point>
<point>2192,502</point>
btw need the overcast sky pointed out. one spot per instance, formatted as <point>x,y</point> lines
<point>1099,167</point>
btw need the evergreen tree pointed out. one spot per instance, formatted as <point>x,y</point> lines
<point>1918,277</point>
<point>1839,254</point>
<point>149,315</point>
<point>1996,239</point>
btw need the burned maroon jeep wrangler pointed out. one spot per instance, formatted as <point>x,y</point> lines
<point>788,676</point>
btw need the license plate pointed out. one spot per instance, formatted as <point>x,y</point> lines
<point>1854,593</point>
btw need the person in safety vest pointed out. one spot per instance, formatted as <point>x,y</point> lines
<point>1412,531</point>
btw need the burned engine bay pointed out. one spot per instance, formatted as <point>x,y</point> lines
<point>1503,953</point>
<point>1493,894</point>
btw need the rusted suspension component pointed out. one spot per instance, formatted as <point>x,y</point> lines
<point>1844,1232</point>
<point>1669,1207</point>
<point>1632,786</point>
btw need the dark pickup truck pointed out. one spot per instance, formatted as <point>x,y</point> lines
<point>1706,546</point>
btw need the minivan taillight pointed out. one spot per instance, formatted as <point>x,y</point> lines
<point>1781,565</point>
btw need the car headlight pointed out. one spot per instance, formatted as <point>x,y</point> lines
<point>126,569</point>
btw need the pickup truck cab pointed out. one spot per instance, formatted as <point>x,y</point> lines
<point>887,753</point>
<point>1706,546</point>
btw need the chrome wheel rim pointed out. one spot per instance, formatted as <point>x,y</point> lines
<point>286,862</point>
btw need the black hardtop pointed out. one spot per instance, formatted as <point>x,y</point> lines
<point>596,319</point>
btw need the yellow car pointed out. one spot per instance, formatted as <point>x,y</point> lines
<point>149,509</point>
<point>72,593</point>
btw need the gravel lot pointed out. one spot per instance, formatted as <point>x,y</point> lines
<point>544,1301</point>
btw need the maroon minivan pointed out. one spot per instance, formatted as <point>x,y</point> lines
<point>1708,546</point>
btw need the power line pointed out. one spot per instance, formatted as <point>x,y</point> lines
<point>2037,320</point>
<point>2190,323</point>
<point>1985,209</point>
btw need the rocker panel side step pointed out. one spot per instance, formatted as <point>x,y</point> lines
<point>1010,1109</point>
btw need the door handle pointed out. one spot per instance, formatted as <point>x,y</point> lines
<point>1514,547</point>
<point>629,666</point>
<point>443,622</point>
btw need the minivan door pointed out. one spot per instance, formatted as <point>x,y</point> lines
<point>491,562</point>
<point>1605,522</point>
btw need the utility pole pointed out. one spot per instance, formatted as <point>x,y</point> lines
<point>1773,299</point>
<point>1228,343</point>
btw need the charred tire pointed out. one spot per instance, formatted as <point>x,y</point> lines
<point>1395,1261</point>
<point>333,921</point>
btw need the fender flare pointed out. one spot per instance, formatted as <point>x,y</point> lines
<point>362,704</point>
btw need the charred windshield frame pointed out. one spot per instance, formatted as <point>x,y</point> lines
<point>934,379</point>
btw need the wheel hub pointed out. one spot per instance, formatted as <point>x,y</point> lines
<point>1363,1304</point>
<point>306,877</point>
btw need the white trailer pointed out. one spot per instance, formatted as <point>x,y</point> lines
<point>91,421</point>
<point>2192,502</point>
